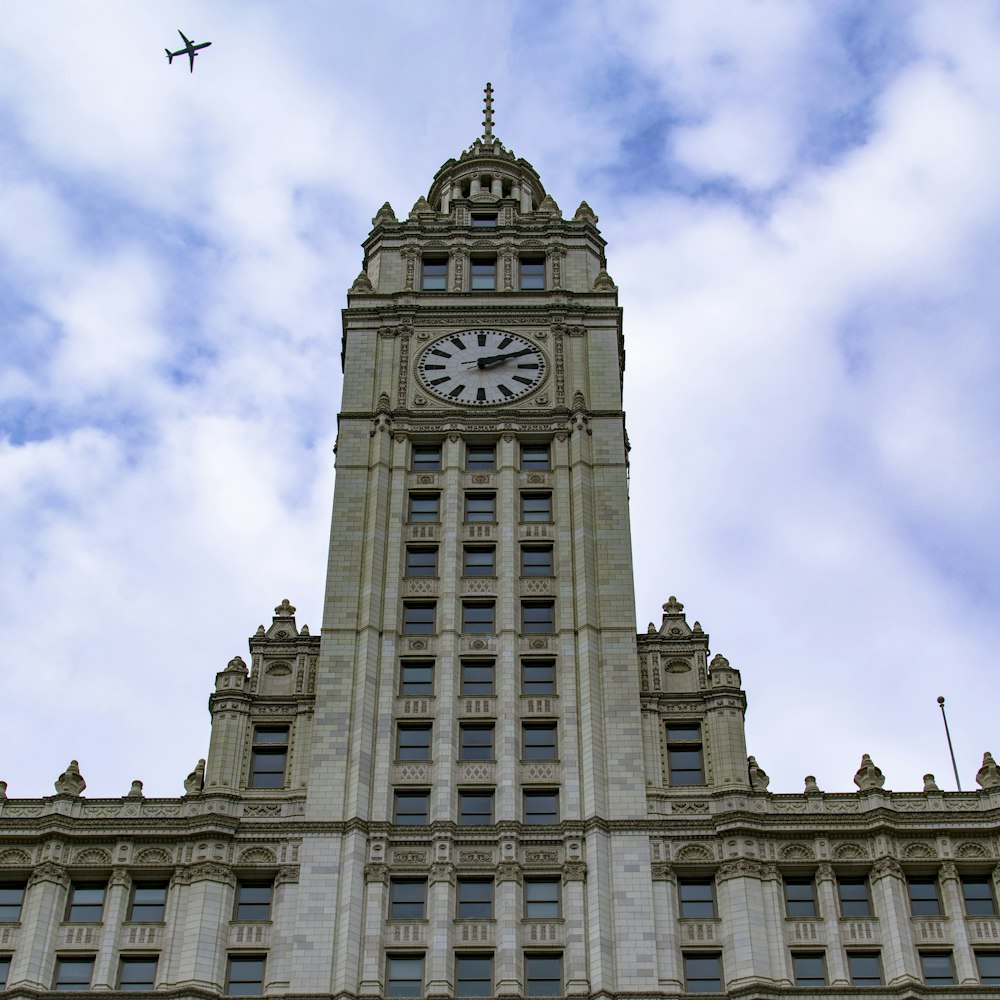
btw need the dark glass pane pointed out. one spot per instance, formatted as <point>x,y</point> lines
<point>475,898</point>
<point>685,766</point>
<point>421,562</point>
<point>684,732</point>
<point>475,808</point>
<point>865,970</point>
<point>435,275</point>
<point>541,807</point>
<point>474,975</point>
<point>799,898</point>
<point>854,898</point>
<point>937,968</point>
<point>4,970</point>
<point>86,904</point>
<point>411,809</point>
<point>543,975</point>
<point>484,220</point>
<point>538,677</point>
<point>148,902</point>
<point>11,898</point>
<point>480,562</point>
<point>484,273</point>
<point>541,898</point>
<point>137,974</point>
<point>418,619</point>
<point>423,507</point>
<point>477,743</point>
<point>924,897</point>
<point>532,273</point>
<point>810,970</point>
<point>481,457</point>
<point>537,618</point>
<point>988,963</point>
<point>267,768</point>
<point>74,973</point>
<point>254,901</point>
<point>536,507</point>
<point>406,976</point>
<point>413,743</point>
<point>535,456</point>
<point>697,899</point>
<point>539,742</point>
<point>407,899</point>
<point>477,618</point>
<point>246,976</point>
<point>416,678</point>
<point>477,677</point>
<point>426,457</point>
<point>702,974</point>
<point>978,897</point>
<point>536,562</point>
<point>480,507</point>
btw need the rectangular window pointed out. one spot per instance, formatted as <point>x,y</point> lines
<point>538,677</point>
<point>478,616</point>
<point>268,757</point>
<point>434,274</point>
<point>416,677</point>
<point>74,973</point>
<point>684,754</point>
<point>541,898</point>
<point>988,963</point>
<point>536,560</point>
<point>423,507</point>
<point>407,898</point>
<point>536,507</point>
<point>253,901</point>
<point>541,806</point>
<point>418,618</point>
<point>702,972</point>
<point>86,903</point>
<point>697,896</point>
<point>410,808</point>
<point>532,274</point>
<point>538,741</point>
<point>11,900</point>
<point>854,901</point>
<point>924,901</point>
<point>978,896</point>
<point>245,975</point>
<point>477,677</point>
<point>810,968</point>
<point>865,968</point>
<point>475,898</point>
<point>800,897</point>
<point>484,220</point>
<point>404,975</point>
<point>137,973</point>
<point>149,901</point>
<point>542,974</point>
<point>473,975</point>
<point>421,560</point>
<point>535,457</point>
<point>479,560</point>
<point>426,458</point>
<point>484,274</point>
<point>538,617</point>
<point>937,968</point>
<point>4,970</point>
<point>475,808</point>
<point>480,508</point>
<point>475,742</point>
<point>413,742</point>
<point>480,457</point>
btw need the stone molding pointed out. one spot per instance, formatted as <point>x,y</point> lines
<point>49,872</point>
<point>203,872</point>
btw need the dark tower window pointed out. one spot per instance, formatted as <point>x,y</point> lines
<point>532,274</point>
<point>434,274</point>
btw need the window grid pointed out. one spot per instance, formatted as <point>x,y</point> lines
<point>809,968</point>
<point>988,965</point>
<point>536,508</point>
<point>978,896</point>
<point>480,457</point>
<point>416,677</point>
<point>865,968</point>
<point>419,618</point>
<point>800,897</point>
<point>484,274</point>
<point>407,898</point>
<point>149,902</point>
<point>697,897</point>
<point>434,274</point>
<point>536,457</point>
<point>421,560</point>
<point>542,974</point>
<point>137,973</point>
<point>854,898</point>
<point>532,274</point>
<point>245,975</point>
<point>538,617</point>
<point>426,458</point>
<point>475,741</point>
<point>541,899</point>
<point>73,973</point>
<point>413,741</point>
<point>703,972</point>
<point>536,560</point>
<point>404,975</point>
<point>479,560</point>
<point>541,806</point>
<point>924,900</point>
<point>269,757</point>
<point>253,901</point>
<point>4,970</point>
<point>480,508</point>
<point>478,617</point>
<point>684,756</point>
<point>423,508</point>
<point>410,808</point>
<point>11,900</point>
<point>538,677</point>
<point>539,741</point>
<point>477,677</point>
<point>473,975</point>
<point>86,903</point>
<point>475,808</point>
<point>475,899</point>
<point>937,968</point>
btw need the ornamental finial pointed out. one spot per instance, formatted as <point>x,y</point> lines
<point>488,119</point>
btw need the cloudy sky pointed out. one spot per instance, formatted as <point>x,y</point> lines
<point>802,203</point>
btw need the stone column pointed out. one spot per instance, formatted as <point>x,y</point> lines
<point>954,907</point>
<point>826,888</point>
<point>439,971</point>
<point>665,921</point>
<point>773,891</point>
<point>115,906</point>
<point>283,909</point>
<point>508,909</point>
<point>209,890</point>
<point>410,254</point>
<point>376,881</point>
<point>746,952</point>
<point>458,257</point>
<point>574,874</point>
<point>899,959</point>
<point>42,912</point>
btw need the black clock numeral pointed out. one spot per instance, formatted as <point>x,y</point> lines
<point>480,395</point>
<point>457,390</point>
<point>481,337</point>
<point>437,368</point>
<point>505,390</point>
<point>535,366</point>
<point>523,380</point>
<point>438,381</point>
<point>458,343</point>
<point>503,343</point>
<point>441,354</point>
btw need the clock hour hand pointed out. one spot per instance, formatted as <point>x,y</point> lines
<point>492,359</point>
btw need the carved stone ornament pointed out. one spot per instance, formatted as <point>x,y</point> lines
<point>384,214</point>
<point>930,785</point>
<point>948,871</point>
<point>824,872</point>
<point>377,873</point>
<point>758,776</point>
<point>574,871</point>
<point>886,867</point>
<point>285,609</point>
<point>3,789</point>
<point>362,285</point>
<point>509,871</point>
<point>603,282</point>
<point>585,214</point>
<point>70,782</point>
<point>868,776</point>
<point>120,876</point>
<point>742,868</point>
<point>49,872</point>
<point>442,872</point>
<point>204,871</point>
<point>811,787</point>
<point>135,792</point>
<point>988,776</point>
<point>662,872</point>
<point>195,781</point>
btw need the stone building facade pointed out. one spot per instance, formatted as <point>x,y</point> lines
<point>477,780</point>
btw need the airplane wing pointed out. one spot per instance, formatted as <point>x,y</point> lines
<point>187,41</point>
<point>191,55</point>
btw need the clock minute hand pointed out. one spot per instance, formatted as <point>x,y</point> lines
<point>492,359</point>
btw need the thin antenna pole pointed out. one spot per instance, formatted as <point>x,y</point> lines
<point>951,749</point>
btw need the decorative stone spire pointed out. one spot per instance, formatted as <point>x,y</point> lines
<point>758,776</point>
<point>988,776</point>
<point>868,776</point>
<point>135,792</point>
<point>70,782</point>
<point>284,610</point>
<point>488,113</point>
<point>195,781</point>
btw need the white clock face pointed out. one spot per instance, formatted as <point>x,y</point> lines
<point>481,367</point>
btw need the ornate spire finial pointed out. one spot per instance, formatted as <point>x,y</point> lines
<point>488,119</point>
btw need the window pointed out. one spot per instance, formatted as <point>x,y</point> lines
<point>978,897</point>
<point>541,806</point>
<point>423,507</point>
<point>407,898</point>
<point>477,616</point>
<point>410,808</point>
<point>426,458</point>
<point>434,274</point>
<point>684,754</point>
<point>484,220</point>
<point>541,898</point>
<point>413,742</point>
<point>4,970</point>
<point>800,897</point>
<point>245,975</point>
<point>937,968</point>
<point>535,457</point>
<point>538,741</point>
<point>149,901</point>
<point>542,974</point>
<point>418,618</point>
<point>74,973</point>
<point>810,968</point>
<point>404,975</point>
<point>538,617</point>
<point>538,677</point>
<point>532,274</point>
<point>137,973</point>
<point>536,507</point>
<point>854,901</point>
<point>268,757</point>
<point>475,898</point>
<point>477,677</point>
<point>253,901</point>
<point>484,274</point>
<point>473,975</point>
<point>924,900</point>
<point>703,972</point>
<point>988,963</point>
<point>86,904</point>
<point>865,968</point>
<point>697,898</point>
<point>475,808</point>
<point>11,899</point>
<point>479,560</point>
<point>480,507</point>
<point>475,742</point>
<point>480,457</point>
<point>416,677</point>
<point>421,560</point>
<point>536,560</point>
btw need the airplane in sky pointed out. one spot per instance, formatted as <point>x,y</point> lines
<point>190,49</point>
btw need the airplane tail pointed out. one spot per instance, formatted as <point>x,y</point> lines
<point>170,56</point>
